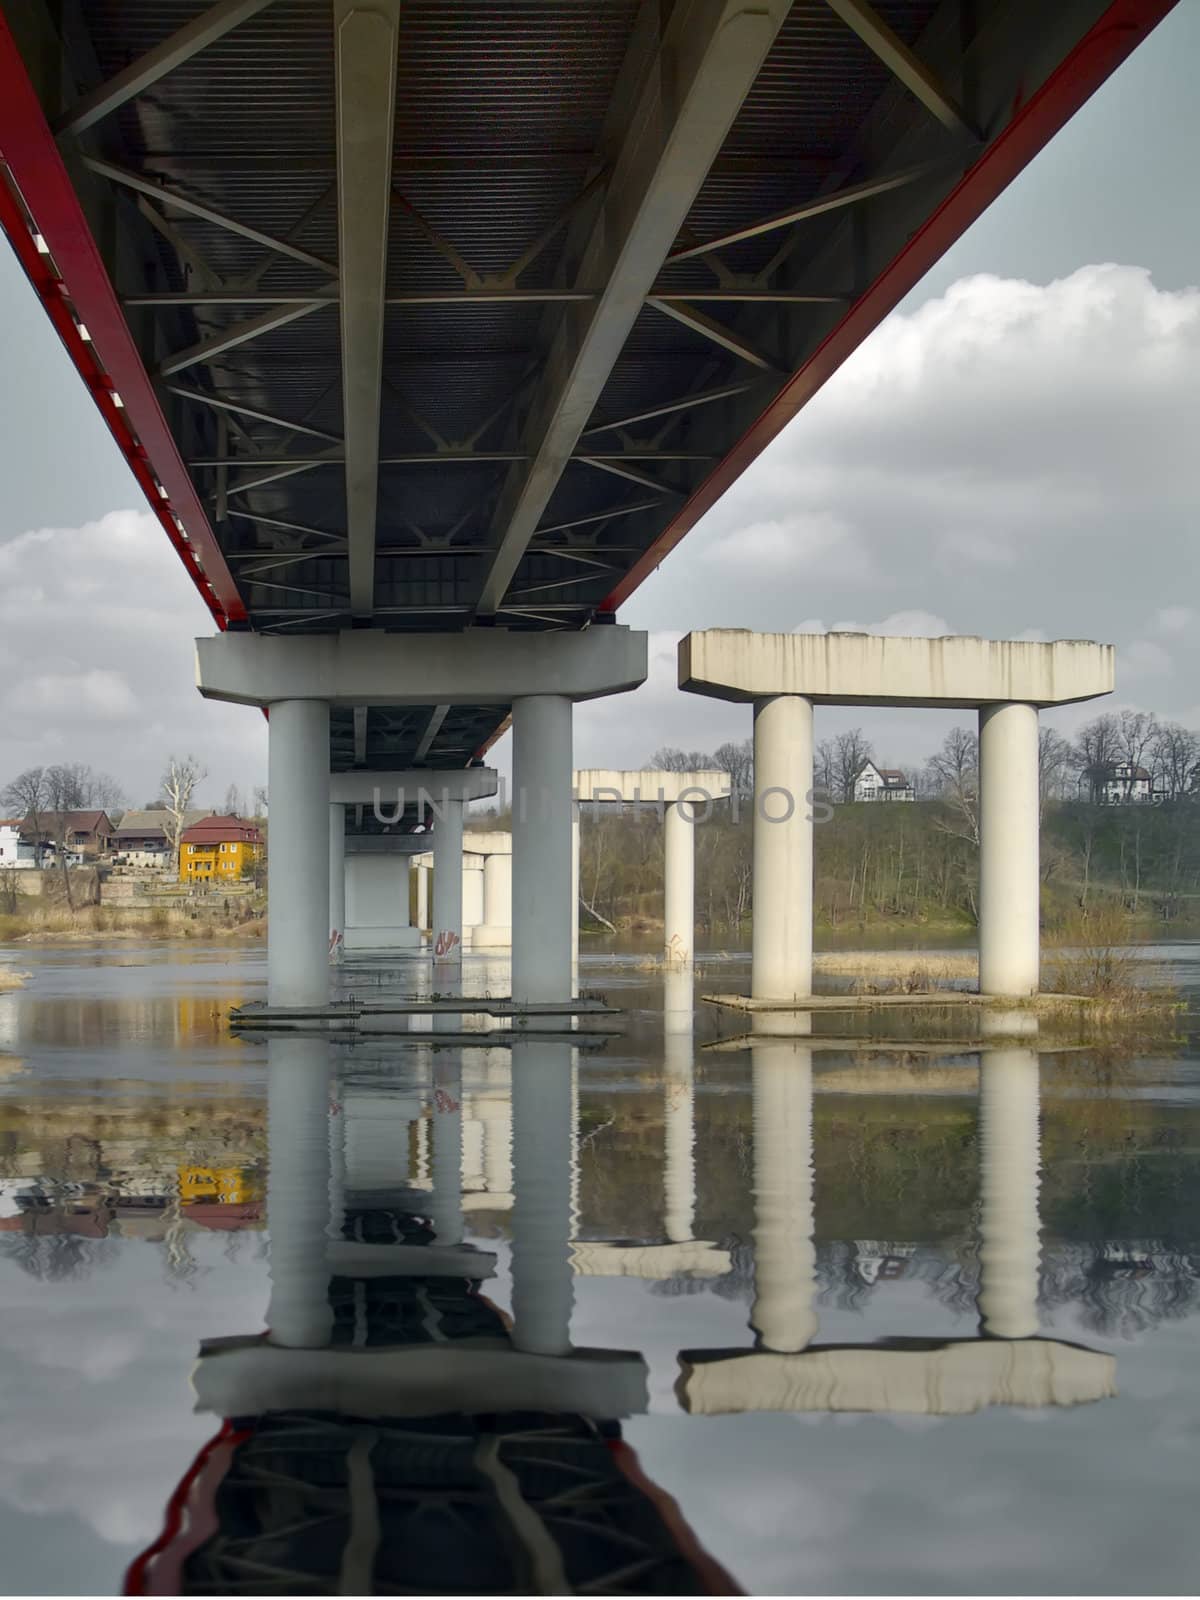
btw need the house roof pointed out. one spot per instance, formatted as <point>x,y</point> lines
<point>88,821</point>
<point>891,775</point>
<point>221,830</point>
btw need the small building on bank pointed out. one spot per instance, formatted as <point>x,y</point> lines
<point>218,849</point>
<point>882,783</point>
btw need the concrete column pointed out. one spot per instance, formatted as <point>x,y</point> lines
<point>782,936</point>
<point>542,879</point>
<point>575,882</point>
<point>422,872</point>
<point>298,851</point>
<point>299,1315</point>
<point>445,1208</point>
<point>542,1283</point>
<point>785,1258</point>
<point>447,882</point>
<point>337,880</point>
<point>1009,946</point>
<point>1010,1247</point>
<point>495,931</point>
<point>679,881</point>
<point>472,911</point>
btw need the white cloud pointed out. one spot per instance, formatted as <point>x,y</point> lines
<point>1174,619</point>
<point>96,659</point>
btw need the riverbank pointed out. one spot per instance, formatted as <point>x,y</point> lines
<point>56,925</point>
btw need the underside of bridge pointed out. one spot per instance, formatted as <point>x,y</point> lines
<point>424,316</point>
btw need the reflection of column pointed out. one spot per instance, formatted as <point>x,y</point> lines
<point>422,1153</point>
<point>782,932</point>
<point>337,1161</point>
<point>445,1205</point>
<point>472,1149</point>
<point>679,881</point>
<point>447,882</point>
<point>298,1188</point>
<point>784,1255</point>
<point>1008,850</point>
<point>297,873</point>
<point>679,1132</point>
<point>495,1107</point>
<point>337,880</point>
<point>1010,1248</point>
<point>542,1289</point>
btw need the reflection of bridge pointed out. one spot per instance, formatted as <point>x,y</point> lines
<point>427,356</point>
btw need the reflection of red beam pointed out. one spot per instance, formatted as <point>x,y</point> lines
<point>194,1499</point>
<point>1114,36</point>
<point>109,363</point>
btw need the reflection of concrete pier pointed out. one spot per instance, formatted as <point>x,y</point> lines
<point>788,1372</point>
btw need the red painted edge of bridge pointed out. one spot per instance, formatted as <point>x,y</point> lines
<point>1113,37</point>
<point>74,288</point>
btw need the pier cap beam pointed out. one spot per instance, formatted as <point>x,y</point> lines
<point>650,787</point>
<point>364,667</point>
<point>362,788</point>
<point>868,669</point>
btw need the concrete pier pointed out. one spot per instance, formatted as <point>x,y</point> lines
<point>297,870</point>
<point>684,799</point>
<point>337,880</point>
<point>1007,681</point>
<point>541,848</point>
<point>782,929</point>
<point>448,883</point>
<point>1009,876</point>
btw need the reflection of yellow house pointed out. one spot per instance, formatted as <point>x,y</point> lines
<point>230,1186</point>
<point>218,849</point>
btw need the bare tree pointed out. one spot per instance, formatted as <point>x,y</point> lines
<point>66,791</point>
<point>179,782</point>
<point>231,806</point>
<point>1136,732</point>
<point>955,772</point>
<point>823,767</point>
<point>1097,752</point>
<point>668,759</point>
<point>738,761</point>
<point>851,752</point>
<point>1055,759</point>
<point>102,791</point>
<point>25,797</point>
<point>1175,760</point>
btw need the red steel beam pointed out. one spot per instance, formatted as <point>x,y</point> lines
<point>1114,36</point>
<point>37,198</point>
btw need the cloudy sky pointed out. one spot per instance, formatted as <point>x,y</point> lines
<point>1012,454</point>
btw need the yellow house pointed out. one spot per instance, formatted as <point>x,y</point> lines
<point>218,850</point>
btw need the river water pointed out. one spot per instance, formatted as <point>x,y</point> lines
<point>874,1320</point>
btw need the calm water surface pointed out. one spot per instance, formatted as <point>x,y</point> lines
<point>875,1320</point>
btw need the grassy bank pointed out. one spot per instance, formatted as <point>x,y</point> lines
<point>11,980</point>
<point>56,925</point>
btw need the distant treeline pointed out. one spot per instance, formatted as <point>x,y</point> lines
<point>901,862</point>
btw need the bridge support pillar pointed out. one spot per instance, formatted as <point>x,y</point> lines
<point>782,933</point>
<point>495,931</point>
<point>298,860</point>
<point>448,883</point>
<point>422,872</point>
<point>542,917</point>
<point>337,881</point>
<point>1009,939</point>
